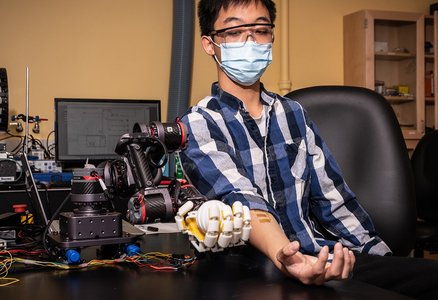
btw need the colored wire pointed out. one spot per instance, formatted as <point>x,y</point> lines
<point>5,265</point>
<point>162,261</point>
<point>154,260</point>
<point>50,147</point>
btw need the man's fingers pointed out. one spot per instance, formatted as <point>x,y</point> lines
<point>352,260</point>
<point>287,252</point>
<point>316,271</point>
<point>342,264</point>
<point>337,266</point>
<point>347,264</point>
<point>321,263</point>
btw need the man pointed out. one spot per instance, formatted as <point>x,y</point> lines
<point>249,145</point>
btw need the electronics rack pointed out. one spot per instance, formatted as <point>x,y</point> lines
<point>4,106</point>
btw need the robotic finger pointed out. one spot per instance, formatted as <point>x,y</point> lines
<point>242,222</point>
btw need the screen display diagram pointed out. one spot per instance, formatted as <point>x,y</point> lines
<point>90,128</point>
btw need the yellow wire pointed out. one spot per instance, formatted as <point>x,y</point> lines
<point>5,265</point>
<point>11,281</point>
<point>9,260</point>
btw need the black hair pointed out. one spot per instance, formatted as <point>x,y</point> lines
<point>208,11</point>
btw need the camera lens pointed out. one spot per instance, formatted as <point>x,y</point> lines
<point>86,191</point>
<point>173,135</point>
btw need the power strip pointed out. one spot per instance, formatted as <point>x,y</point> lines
<point>46,166</point>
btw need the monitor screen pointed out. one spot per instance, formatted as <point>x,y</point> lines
<point>89,129</point>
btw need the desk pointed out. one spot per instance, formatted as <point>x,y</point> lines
<point>241,274</point>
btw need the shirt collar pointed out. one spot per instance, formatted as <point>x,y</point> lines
<point>267,98</point>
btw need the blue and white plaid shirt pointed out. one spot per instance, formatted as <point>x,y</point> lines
<point>289,172</point>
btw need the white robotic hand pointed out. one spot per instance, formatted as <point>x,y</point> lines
<point>215,225</point>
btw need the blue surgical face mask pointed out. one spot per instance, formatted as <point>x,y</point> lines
<point>245,62</point>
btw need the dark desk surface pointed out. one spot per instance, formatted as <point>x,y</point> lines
<point>242,274</point>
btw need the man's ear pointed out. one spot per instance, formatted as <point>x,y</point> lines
<point>208,45</point>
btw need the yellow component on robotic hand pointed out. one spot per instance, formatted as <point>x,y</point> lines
<point>215,225</point>
<point>193,228</point>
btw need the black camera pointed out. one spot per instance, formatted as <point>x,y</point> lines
<point>172,135</point>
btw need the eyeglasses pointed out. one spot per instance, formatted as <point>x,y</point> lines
<point>261,33</point>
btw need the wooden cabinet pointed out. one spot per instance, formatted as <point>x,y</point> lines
<point>431,69</point>
<point>385,51</point>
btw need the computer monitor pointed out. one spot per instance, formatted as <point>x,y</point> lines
<point>89,129</point>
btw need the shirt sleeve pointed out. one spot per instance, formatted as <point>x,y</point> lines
<point>211,163</point>
<point>334,205</point>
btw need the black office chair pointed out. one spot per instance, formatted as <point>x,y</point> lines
<point>362,132</point>
<point>425,167</point>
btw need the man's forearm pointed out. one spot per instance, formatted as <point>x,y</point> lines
<point>267,235</point>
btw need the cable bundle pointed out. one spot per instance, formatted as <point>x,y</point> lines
<point>154,260</point>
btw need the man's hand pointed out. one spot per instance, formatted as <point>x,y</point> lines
<point>316,270</point>
<point>269,238</point>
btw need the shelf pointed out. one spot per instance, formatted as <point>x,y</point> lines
<point>396,56</point>
<point>429,57</point>
<point>411,133</point>
<point>430,100</point>
<point>399,99</point>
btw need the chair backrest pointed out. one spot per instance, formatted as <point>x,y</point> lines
<point>362,131</point>
<point>425,167</point>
